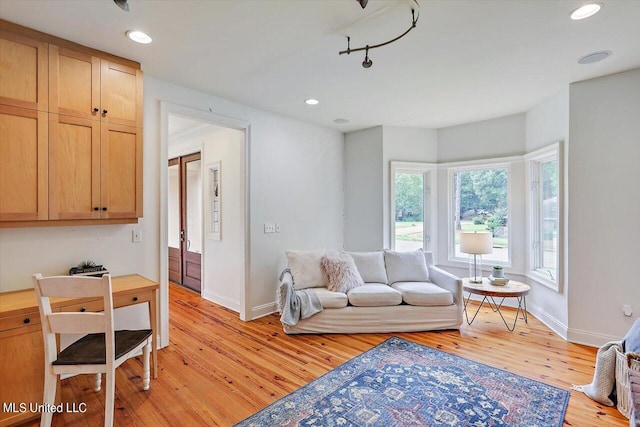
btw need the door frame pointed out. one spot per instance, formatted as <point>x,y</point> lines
<point>166,109</point>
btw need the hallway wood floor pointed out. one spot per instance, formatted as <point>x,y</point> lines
<point>218,370</point>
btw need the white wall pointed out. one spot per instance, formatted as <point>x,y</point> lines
<point>501,137</point>
<point>546,124</point>
<point>224,258</point>
<point>296,180</point>
<point>364,208</point>
<point>403,144</point>
<point>368,154</point>
<point>604,206</point>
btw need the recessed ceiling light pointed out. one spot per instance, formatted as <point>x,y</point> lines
<point>311,101</point>
<point>594,57</point>
<point>341,121</point>
<point>586,11</point>
<point>139,37</point>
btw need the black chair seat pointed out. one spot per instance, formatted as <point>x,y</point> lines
<point>91,349</point>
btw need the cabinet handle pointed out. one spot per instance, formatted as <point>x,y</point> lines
<point>104,113</point>
<point>26,320</point>
<point>135,299</point>
<point>104,208</point>
<point>95,110</point>
<point>96,208</point>
<point>83,309</point>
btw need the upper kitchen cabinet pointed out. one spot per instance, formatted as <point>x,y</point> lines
<point>74,83</point>
<point>85,86</point>
<point>23,164</point>
<point>23,72</point>
<point>121,94</point>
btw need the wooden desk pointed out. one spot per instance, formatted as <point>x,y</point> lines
<point>21,341</point>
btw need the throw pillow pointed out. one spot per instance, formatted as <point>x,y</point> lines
<point>305,269</point>
<point>406,266</point>
<point>631,341</point>
<point>341,272</point>
<point>370,266</point>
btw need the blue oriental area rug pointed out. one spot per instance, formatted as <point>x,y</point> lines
<point>401,383</point>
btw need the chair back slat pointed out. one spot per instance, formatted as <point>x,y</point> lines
<point>76,323</point>
<point>71,286</point>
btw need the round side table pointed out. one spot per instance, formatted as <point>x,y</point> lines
<point>489,292</point>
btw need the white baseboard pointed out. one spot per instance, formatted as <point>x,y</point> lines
<point>551,322</point>
<point>263,310</point>
<point>592,339</point>
<point>222,300</point>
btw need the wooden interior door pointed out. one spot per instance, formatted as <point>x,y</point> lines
<point>185,261</point>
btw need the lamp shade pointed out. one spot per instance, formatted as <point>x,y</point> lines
<point>476,242</point>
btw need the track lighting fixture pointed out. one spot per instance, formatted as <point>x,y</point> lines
<point>122,4</point>
<point>367,63</point>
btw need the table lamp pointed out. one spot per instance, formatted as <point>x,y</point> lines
<point>476,244</point>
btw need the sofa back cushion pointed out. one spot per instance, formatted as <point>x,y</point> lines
<point>406,266</point>
<point>370,266</point>
<point>341,272</point>
<point>305,269</point>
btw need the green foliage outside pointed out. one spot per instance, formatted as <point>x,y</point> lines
<point>409,197</point>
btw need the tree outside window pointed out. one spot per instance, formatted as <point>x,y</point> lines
<point>481,204</point>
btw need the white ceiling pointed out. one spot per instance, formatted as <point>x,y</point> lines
<point>467,60</point>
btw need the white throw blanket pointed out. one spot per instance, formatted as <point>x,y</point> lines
<point>604,377</point>
<point>295,305</point>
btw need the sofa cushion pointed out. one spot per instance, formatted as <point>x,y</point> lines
<point>341,272</point>
<point>374,295</point>
<point>423,293</point>
<point>331,299</point>
<point>406,266</point>
<point>370,266</point>
<point>305,269</point>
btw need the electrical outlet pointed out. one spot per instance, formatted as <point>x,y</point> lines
<point>627,309</point>
<point>269,227</point>
<point>136,236</point>
<point>277,228</point>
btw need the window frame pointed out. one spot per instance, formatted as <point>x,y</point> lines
<point>429,214</point>
<point>533,163</point>
<point>452,168</point>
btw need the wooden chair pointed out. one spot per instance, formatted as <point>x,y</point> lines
<point>101,351</point>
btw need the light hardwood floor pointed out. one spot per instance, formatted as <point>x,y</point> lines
<point>218,370</point>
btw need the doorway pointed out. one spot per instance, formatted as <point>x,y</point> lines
<point>185,221</point>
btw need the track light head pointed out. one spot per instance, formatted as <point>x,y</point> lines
<point>363,3</point>
<point>367,63</point>
<point>122,4</point>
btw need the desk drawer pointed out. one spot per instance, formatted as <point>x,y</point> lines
<point>22,320</point>
<point>132,298</point>
<point>91,306</point>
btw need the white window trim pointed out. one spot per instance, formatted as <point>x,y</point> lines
<point>452,168</point>
<point>429,197</point>
<point>553,151</point>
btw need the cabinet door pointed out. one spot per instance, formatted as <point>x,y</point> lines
<point>121,94</point>
<point>120,171</point>
<point>74,168</point>
<point>23,164</point>
<point>22,371</point>
<point>23,72</point>
<point>74,83</point>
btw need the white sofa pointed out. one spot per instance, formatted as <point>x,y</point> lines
<point>402,292</point>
